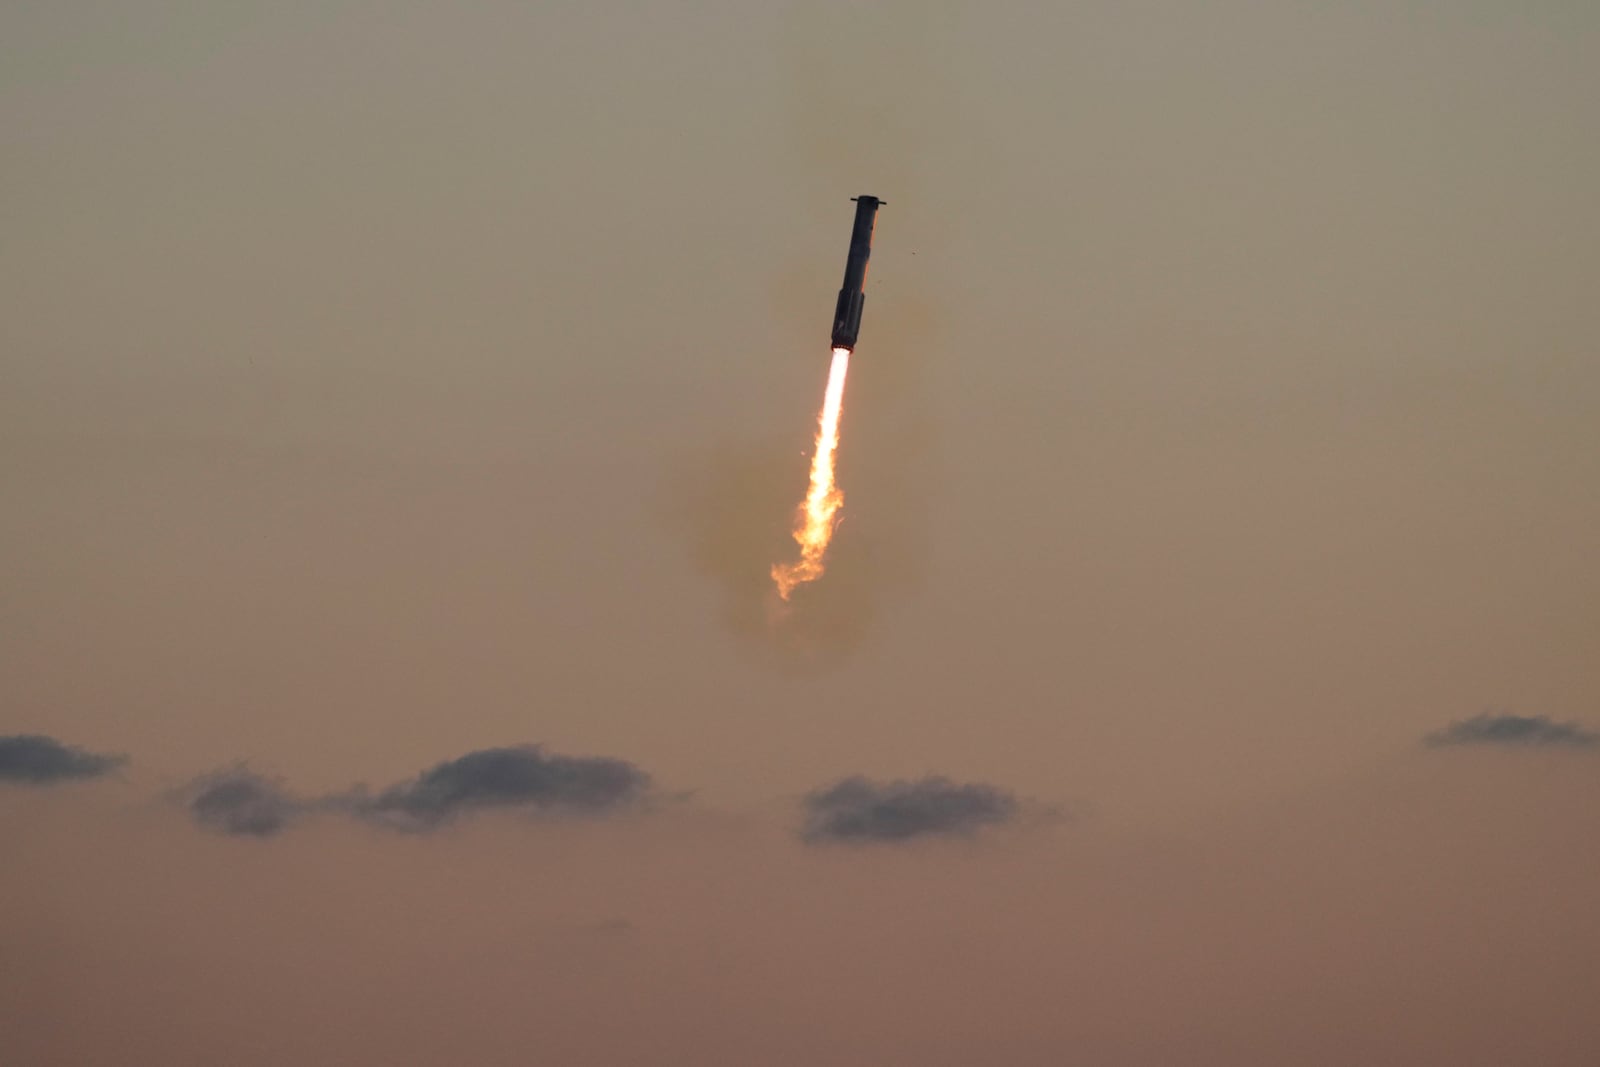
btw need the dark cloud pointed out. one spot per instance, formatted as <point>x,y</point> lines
<point>858,809</point>
<point>523,776</point>
<point>242,803</point>
<point>1517,730</point>
<point>39,760</point>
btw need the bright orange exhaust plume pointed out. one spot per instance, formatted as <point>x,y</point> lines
<point>813,527</point>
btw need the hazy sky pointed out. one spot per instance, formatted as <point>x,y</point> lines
<point>388,387</point>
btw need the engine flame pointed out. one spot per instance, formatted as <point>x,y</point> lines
<point>813,527</point>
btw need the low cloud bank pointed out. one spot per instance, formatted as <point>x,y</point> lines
<point>524,776</point>
<point>859,809</point>
<point>34,759</point>
<point>1522,731</point>
<point>241,803</point>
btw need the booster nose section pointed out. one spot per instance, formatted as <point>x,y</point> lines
<point>852,294</point>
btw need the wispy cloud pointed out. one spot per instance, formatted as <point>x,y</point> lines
<point>34,759</point>
<point>859,809</point>
<point>242,803</point>
<point>1513,731</point>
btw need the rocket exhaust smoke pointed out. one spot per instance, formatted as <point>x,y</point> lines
<point>814,523</point>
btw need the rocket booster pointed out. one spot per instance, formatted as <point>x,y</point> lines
<point>852,295</point>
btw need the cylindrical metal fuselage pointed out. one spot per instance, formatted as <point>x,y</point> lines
<point>852,294</point>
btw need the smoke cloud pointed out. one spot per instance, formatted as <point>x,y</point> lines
<point>1513,730</point>
<point>736,506</point>
<point>858,809</point>
<point>34,759</point>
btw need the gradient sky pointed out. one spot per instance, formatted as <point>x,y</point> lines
<point>385,382</point>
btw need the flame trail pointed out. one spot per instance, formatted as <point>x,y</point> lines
<point>813,527</point>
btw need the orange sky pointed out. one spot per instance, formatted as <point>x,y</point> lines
<point>389,382</point>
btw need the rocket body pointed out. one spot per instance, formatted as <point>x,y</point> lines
<point>852,294</point>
